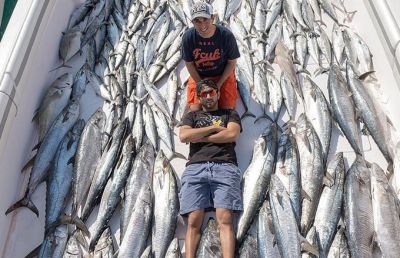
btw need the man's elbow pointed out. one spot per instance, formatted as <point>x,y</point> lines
<point>183,138</point>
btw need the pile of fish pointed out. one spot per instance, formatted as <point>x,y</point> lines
<point>298,198</point>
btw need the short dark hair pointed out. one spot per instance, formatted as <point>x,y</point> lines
<point>205,82</point>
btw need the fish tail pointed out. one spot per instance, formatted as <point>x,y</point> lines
<point>67,219</point>
<point>60,66</point>
<point>24,202</point>
<point>247,113</point>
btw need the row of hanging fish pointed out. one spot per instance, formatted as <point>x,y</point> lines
<point>112,159</point>
<point>116,157</point>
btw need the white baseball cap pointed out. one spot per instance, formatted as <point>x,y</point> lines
<point>201,9</point>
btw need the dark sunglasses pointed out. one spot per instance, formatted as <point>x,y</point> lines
<point>204,94</point>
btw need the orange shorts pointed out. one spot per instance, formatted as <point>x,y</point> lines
<point>228,91</point>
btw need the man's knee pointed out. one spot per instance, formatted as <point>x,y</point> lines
<point>224,217</point>
<point>195,220</point>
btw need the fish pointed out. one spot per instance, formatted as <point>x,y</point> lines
<point>139,225</point>
<point>256,178</point>
<point>328,8</point>
<point>312,170</point>
<point>150,126</point>
<point>231,8</point>
<point>104,247</point>
<point>358,212</point>
<point>79,13</point>
<point>365,109</point>
<point>55,100</point>
<point>275,96</point>
<point>289,96</point>
<point>386,218</point>
<point>330,206</point>
<point>103,170</point>
<point>70,45</point>
<point>112,195</point>
<point>139,176</point>
<point>288,238</point>
<point>210,244</point>
<point>73,249</point>
<point>265,233</point>
<point>318,113</point>
<point>288,170</point>
<point>249,247</point>
<point>339,247</point>
<point>274,8</point>
<point>166,205</point>
<point>174,250</point>
<point>342,107</point>
<point>244,90</point>
<point>54,243</point>
<point>46,152</point>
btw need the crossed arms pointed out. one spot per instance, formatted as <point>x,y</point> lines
<point>212,133</point>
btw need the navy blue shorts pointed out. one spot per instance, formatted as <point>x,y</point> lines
<point>210,185</point>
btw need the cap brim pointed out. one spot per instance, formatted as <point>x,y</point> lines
<point>201,15</point>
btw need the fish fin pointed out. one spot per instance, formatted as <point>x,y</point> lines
<point>363,76</point>
<point>328,180</point>
<point>60,66</point>
<point>305,195</point>
<point>320,71</point>
<point>37,146</point>
<point>306,246</point>
<point>176,155</point>
<point>264,116</point>
<point>36,115</point>
<point>24,202</point>
<point>34,252</point>
<point>247,113</point>
<point>66,219</point>
<point>303,70</point>
<point>28,164</point>
<point>71,160</point>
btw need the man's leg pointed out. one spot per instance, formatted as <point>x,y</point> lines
<point>193,233</point>
<point>227,234</point>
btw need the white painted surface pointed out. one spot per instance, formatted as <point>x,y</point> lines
<point>21,231</point>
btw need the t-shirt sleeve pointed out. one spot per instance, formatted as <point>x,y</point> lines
<point>232,47</point>
<point>186,49</point>
<point>234,117</point>
<point>188,119</point>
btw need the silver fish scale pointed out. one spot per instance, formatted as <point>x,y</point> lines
<point>275,96</point>
<point>111,197</point>
<point>358,213</point>
<point>139,176</point>
<point>256,178</point>
<point>265,236</point>
<point>288,165</point>
<point>328,8</point>
<point>368,113</point>
<point>55,100</point>
<point>73,249</point>
<point>150,125</point>
<point>289,96</point>
<point>174,250</point>
<point>318,113</point>
<point>104,248</point>
<point>260,17</point>
<point>312,170</point>
<point>62,124</point>
<point>274,8</point>
<point>343,108</point>
<point>60,174</point>
<point>283,219</point>
<point>330,206</point>
<point>386,218</point>
<point>274,36</point>
<point>337,43</point>
<point>139,226</point>
<point>166,205</point>
<point>210,245</point>
<point>339,248</point>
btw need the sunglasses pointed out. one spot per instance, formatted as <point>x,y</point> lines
<point>205,94</point>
